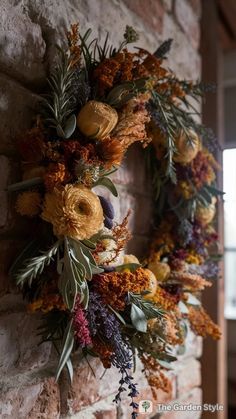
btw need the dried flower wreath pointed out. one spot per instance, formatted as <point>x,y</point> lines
<point>100,101</point>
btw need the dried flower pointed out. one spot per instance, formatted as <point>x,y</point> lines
<point>204,215</point>
<point>96,119</point>
<point>131,124</point>
<point>202,324</point>
<point>190,281</point>
<point>32,145</point>
<point>110,151</point>
<point>29,203</point>
<point>73,39</point>
<point>165,299</point>
<point>130,35</point>
<point>114,286</point>
<point>155,376</point>
<point>74,211</point>
<point>47,303</point>
<point>55,175</point>
<point>187,146</point>
<point>161,270</point>
<point>80,324</point>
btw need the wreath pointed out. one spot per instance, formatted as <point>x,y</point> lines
<point>93,298</point>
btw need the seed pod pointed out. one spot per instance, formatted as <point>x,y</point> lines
<point>107,207</point>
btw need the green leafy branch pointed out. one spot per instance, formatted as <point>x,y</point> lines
<point>75,269</point>
<point>34,266</point>
<point>141,311</point>
<point>59,104</point>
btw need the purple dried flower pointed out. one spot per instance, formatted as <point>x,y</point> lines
<point>104,324</point>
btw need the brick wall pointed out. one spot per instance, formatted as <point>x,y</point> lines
<point>29,29</point>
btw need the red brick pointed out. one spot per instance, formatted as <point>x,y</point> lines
<point>17,106</point>
<point>36,401</point>
<point>106,414</point>
<point>96,388</point>
<point>4,178</point>
<point>188,375</point>
<point>47,404</point>
<point>19,342</point>
<point>152,15</point>
<point>188,21</point>
<point>8,252</point>
<point>197,6</point>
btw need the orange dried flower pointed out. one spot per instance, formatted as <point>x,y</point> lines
<point>155,376</point>
<point>131,126</point>
<point>114,286</point>
<point>192,282</point>
<point>56,174</point>
<point>166,300</point>
<point>73,39</point>
<point>202,324</point>
<point>32,145</point>
<point>104,351</point>
<point>47,303</point>
<point>29,203</point>
<point>110,151</point>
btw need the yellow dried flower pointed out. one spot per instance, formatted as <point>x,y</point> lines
<point>187,146</point>
<point>29,203</point>
<point>74,211</point>
<point>97,119</point>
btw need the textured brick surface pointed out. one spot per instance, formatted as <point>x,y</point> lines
<point>16,109</point>
<point>38,401</point>
<point>154,12</point>
<point>188,21</point>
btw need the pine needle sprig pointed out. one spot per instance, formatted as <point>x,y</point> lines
<point>59,104</point>
<point>33,267</point>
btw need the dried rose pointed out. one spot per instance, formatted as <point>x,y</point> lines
<point>96,119</point>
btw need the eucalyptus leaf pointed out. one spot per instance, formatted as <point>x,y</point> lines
<point>25,184</point>
<point>193,301</point>
<point>214,191</point>
<point>67,347</point>
<point>60,131</point>
<point>165,364</point>
<point>117,315</point>
<point>107,183</point>
<point>138,318</point>
<point>70,126</point>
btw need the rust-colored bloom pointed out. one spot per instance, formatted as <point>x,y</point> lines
<point>55,175</point>
<point>73,40</point>
<point>74,211</point>
<point>155,375</point>
<point>131,126</point>
<point>110,151</point>
<point>166,300</point>
<point>114,286</point>
<point>32,145</point>
<point>29,203</point>
<point>104,351</point>
<point>47,303</point>
<point>202,324</point>
<point>192,282</point>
